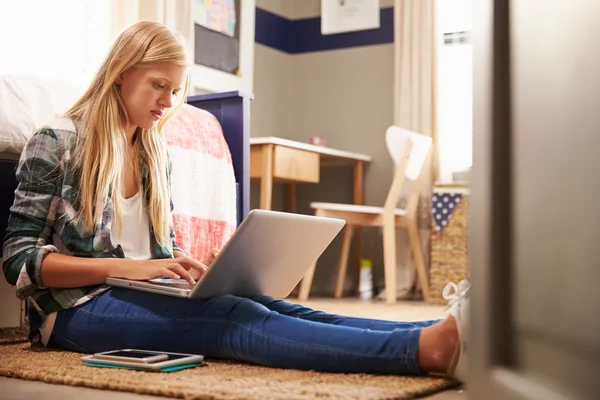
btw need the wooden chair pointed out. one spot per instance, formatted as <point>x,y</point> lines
<point>410,152</point>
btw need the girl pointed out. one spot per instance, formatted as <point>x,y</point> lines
<point>93,202</point>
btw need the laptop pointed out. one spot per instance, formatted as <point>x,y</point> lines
<point>268,254</point>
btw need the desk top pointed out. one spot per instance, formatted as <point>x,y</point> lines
<point>328,152</point>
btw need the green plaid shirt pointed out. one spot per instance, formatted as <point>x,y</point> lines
<point>41,221</point>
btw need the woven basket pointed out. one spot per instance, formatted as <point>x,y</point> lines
<point>449,249</point>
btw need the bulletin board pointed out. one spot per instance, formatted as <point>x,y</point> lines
<point>217,34</point>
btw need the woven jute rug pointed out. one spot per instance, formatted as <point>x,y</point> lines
<point>217,380</point>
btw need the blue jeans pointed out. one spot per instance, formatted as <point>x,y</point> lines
<point>259,330</point>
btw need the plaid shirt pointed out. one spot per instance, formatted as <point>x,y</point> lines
<point>41,221</point>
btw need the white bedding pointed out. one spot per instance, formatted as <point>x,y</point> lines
<point>27,103</point>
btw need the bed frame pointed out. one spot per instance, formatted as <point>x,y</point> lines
<point>232,110</point>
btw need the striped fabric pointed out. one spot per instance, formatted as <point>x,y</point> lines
<point>202,182</point>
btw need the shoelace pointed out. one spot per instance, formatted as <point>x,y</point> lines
<point>453,293</point>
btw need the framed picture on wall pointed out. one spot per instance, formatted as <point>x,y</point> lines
<point>338,16</point>
<point>217,34</point>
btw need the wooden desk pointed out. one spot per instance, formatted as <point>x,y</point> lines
<point>276,160</point>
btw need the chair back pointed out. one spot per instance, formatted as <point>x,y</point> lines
<point>397,138</point>
<point>410,151</point>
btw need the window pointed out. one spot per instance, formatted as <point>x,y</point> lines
<point>64,39</point>
<point>455,78</point>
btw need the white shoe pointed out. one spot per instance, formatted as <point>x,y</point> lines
<point>458,301</point>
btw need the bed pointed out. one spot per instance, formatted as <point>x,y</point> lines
<point>231,110</point>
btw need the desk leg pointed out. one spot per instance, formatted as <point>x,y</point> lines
<point>358,199</point>
<point>291,198</point>
<point>266,178</point>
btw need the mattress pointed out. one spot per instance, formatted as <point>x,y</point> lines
<point>27,103</point>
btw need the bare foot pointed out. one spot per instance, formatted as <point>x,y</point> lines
<point>437,345</point>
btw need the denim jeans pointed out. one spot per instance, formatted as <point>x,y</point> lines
<point>259,330</point>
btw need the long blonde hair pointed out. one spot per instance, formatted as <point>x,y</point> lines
<point>99,154</point>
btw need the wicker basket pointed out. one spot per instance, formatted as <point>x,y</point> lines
<point>449,249</point>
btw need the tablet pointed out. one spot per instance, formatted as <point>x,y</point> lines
<point>172,360</point>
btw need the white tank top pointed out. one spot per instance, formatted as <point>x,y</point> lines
<point>135,228</point>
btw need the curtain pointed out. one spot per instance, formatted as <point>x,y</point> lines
<point>176,14</point>
<point>415,108</point>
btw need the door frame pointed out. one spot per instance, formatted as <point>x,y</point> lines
<point>493,372</point>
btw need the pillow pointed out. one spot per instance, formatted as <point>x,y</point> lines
<point>202,181</point>
<point>27,103</point>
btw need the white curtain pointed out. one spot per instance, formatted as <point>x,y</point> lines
<point>176,14</point>
<point>415,108</point>
<point>415,65</point>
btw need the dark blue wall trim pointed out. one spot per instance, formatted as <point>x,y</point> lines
<point>273,31</point>
<point>304,35</point>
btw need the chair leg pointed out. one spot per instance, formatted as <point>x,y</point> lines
<point>306,283</point>
<point>343,266</point>
<point>417,256</point>
<point>389,259</point>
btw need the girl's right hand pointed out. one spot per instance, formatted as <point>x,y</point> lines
<point>175,268</point>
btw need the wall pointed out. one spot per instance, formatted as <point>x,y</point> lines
<point>342,94</point>
<point>271,109</point>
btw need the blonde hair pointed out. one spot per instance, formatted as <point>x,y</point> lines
<point>99,155</point>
